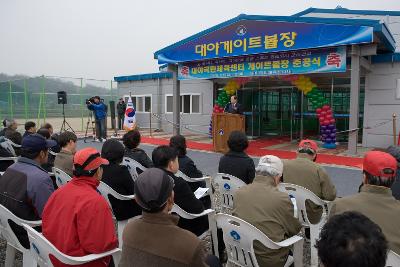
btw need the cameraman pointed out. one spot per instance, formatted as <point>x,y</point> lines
<point>100,115</point>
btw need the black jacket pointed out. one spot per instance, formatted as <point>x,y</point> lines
<point>186,200</point>
<point>187,166</point>
<point>119,179</point>
<point>238,164</point>
<point>140,156</point>
<point>4,164</point>
<point>121,108</point>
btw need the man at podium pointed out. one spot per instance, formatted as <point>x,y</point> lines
<point>233,107</point>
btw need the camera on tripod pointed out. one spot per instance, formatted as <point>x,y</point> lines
<point>90,100</point>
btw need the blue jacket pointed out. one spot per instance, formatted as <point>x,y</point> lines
<point>99,110</point>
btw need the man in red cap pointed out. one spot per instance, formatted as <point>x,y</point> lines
<point>305,172</point>
<point>375,199</point>
<point>76,219</point>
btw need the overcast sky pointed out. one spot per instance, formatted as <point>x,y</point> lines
<point>106,38</point>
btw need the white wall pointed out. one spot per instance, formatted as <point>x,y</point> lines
<point>198,123</point>
<point>380,104</point>
<point>393,22</point>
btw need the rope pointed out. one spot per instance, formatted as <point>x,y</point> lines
<point>366,127</point>
<point>184,126</point>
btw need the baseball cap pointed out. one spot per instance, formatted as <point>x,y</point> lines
<point>271,162</point>
<point>36,142</point>
<point>152,189</point>
<point>378,163</point>
<point>308,144</point>
<point>88,159</point>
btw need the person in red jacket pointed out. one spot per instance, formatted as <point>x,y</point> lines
<point>76,219</point>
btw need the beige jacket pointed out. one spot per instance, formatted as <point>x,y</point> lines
<point>64,161</point>
<point>378,204</point>
<point>155,240</point>
<point>308,174</point>
<point>271,211</point>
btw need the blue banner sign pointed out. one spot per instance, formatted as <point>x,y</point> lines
<point>250,37</point>
<point>281,63</point>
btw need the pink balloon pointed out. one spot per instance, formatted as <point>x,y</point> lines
<point>318,110</point>
<point>326,122</point>
<point>326,107</point>
<point>328,116</point>
<point>329,112</point>
<point>331,121</point>
<point>323,113</point>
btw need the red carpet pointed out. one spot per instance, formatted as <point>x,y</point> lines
<point>257,148</point>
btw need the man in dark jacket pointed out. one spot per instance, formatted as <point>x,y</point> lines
<point>131,141</point>
<point>25,186</point>
<point>121,107</point>
<point>100,115</point>
<point>30,128</point>
<point>233,107</point>
<point>236,162</point>
<point>118,178</point>
<point>166,158</point>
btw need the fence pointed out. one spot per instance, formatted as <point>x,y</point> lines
<point>36,98</point>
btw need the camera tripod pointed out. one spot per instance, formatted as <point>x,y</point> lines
<point>91,122</point>
<point>65,123</point>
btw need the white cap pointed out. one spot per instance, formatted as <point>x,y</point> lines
<point>270,162</point>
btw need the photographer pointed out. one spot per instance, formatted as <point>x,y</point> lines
<point>100,114</point>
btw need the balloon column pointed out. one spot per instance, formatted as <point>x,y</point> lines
<point>224,96</point>
<point>320,104</point>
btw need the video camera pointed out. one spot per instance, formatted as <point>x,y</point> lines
<point>91,100</point>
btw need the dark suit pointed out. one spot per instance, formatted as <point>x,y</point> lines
<point>186,200</point>
<point>233,108</point>
<point>238,164</point>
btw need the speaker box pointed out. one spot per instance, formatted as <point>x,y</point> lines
<point>62,97</point>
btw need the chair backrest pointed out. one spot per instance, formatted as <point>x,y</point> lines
<point>61,177</point>
<point>6,232</point>
<point>41,249</point>
<point>178,210</point>
<point>227,185</point>
<point>135,168</point>
<point>189,179</point>
<point>106,191</point>
<point>393,259</point>
<point>9,146</point>
<point>302,194</point>
<point>239,237</point>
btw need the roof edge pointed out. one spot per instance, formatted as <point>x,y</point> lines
<point>142,77</point>
<point>347,11</point>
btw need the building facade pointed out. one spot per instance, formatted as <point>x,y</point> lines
<point>274,107</point>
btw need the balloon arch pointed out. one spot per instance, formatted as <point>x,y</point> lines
<point>303,83</point>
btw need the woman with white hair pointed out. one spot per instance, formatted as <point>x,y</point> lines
<point>264,206</point>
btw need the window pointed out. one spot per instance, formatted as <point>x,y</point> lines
<point>190,103</point>
<point>142,103</point>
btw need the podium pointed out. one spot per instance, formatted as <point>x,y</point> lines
<point>223,124</point>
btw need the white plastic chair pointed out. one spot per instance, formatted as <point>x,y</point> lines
<point>41,249</point>
<point>302,194</point>
<point>135,168</point>
<point>393,259</point>
<point>61,177</point>
<point>13,243</point>
<point>239,237</point>
<point>106,191</point>
<point>178,210</point>
<point>227,185</point>
<point>15,159</point>
<point>191,180</point>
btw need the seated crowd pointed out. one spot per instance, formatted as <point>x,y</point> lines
<point>78,221</point>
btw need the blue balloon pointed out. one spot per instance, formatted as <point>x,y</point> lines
<point>327,131</point>
<point>332,135</point>
<point>331,126</point>
<point>333,130</point>
<point>328,140</point>
<point>323,127</point>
